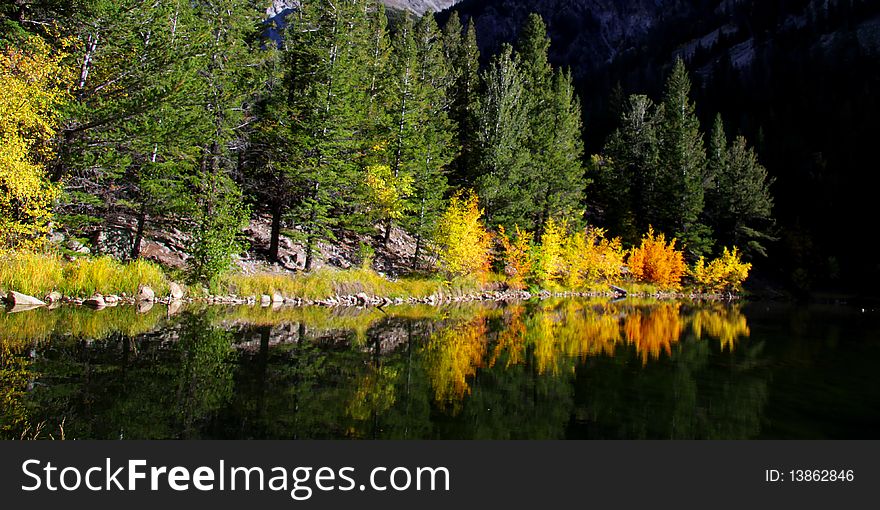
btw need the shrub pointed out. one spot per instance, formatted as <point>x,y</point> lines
<point>464,244</point>
<point>519,261</point>
<point>551,260</point>
<point>590,257</point>
<point>657,261</point>
<point>726,273</point>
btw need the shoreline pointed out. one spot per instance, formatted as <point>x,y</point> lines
<point>359,300</point>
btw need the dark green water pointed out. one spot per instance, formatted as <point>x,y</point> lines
<point>554,369</point>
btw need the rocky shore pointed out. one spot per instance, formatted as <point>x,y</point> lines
<point>177,295</point>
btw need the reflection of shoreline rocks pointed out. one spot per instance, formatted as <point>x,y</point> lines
<point>360,300</point>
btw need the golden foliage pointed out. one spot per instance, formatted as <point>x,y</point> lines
<point>386,193</point>
<point>30,95</point>
<point>591,258</point>
<point>551,260</point>
<point>519,261</point>
<point>657,261</point>
<point>726,273</point>
<point>463,241</point>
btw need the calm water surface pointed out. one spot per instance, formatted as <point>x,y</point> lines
<point>553,369</point>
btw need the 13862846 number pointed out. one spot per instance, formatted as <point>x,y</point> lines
<point>822,475</point>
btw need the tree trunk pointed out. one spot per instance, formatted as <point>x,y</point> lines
<point>387,235</point>
<point>139,233</point>
<point>276,231</point>
<point>309,256</point>
<point>418,252</point>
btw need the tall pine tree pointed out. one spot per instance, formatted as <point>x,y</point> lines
<point>503,135</point>
<point>682,166</point>
<point>463,60</point>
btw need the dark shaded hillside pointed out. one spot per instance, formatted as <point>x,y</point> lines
<point>799,78</point>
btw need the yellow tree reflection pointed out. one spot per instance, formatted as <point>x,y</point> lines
<point>723,323</point>
<point>454,355</point>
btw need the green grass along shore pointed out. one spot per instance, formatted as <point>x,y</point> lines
<point>39,274</point>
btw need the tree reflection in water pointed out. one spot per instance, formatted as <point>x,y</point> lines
<point>542,369</point>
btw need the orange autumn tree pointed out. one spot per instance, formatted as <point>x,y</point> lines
<point>657,261</point>
<point>519,261</point>
<point>463,243</point>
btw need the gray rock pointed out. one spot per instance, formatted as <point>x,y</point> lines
<point>53,297</point>
<point>175,291</point>
<point>96,301</point>
<point>112,299</point>
<point>145,293</point>
<point>265,300</point>
<point>78,247</point>
<point>363,299</point>
<point>277,297</point>
<point>18,299</point>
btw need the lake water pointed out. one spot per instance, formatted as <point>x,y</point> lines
<point>555,369</point>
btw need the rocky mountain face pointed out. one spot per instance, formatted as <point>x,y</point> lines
<point>419,6</point>
<point>281,7</point>
<point>591,34</point>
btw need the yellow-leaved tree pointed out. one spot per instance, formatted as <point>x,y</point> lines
<point>551,256</point>
<point>31,92</point>
<point>590,257</point>
<point>462,240</point>
<point>519,261</point>
<point>657,261</point>
<point>386,194</point>
<point>724,274</point>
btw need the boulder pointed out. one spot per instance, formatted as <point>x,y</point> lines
<point>145,293</point>
<point>175,291</point>
<point>265,300</point>
<point>363,299</point>
<point>144,306</point>
<point>78,247</point>
<point>96,301</point>
<point>53,297</point>
<point>277,297</point>
<point>111,300</point>
<point>18,299</point>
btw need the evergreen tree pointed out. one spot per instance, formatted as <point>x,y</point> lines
<point>129,137</point>
<point>405,105</point>
<point>327,102</point>
<point>265,180</point>
<point>682,166</point>
<point>503,134</point>
<point>560,182</point>
<point>533,47</point>
<point>741,203</point>
<point>463,60</point>
<point>629,187</point>
<point>435,149</point>
<point>229,55</point>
